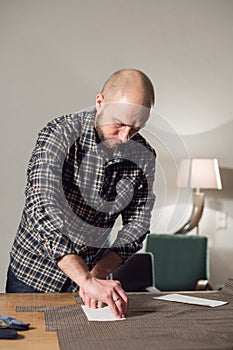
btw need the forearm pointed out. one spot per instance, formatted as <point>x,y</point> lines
<point>75,268</point>
<point>108,263</point>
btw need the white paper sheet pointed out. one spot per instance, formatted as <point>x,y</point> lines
<point>191,300</point>
<point>101,314</point>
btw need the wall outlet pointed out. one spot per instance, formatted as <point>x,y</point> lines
<point>221,220</point>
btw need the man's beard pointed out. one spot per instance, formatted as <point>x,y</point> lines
<point>106,143</point>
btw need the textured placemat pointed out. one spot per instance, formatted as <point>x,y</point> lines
<point>150,324</point>
<point>228,287</point>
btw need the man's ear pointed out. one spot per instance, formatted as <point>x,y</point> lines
<point>99,101</point>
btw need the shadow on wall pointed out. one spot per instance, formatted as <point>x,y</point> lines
<point>227,185</point>
<point>226,193</point>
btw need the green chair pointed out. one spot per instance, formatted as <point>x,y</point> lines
<point>180,261</point>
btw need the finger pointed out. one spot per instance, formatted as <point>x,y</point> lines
<point>118,306</point>
<point>123,303</point>
<point>113,307</point>
<point>100,304</point>
<point>122,307</point>
<point>93,303</point>
<point>87,301</point>
<point>121,299</point>
<point>120,292</point>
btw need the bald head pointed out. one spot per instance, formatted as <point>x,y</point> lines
<point>132,84</point>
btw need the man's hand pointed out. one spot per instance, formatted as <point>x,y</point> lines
<point>108,263</point>
<point>96,292</point>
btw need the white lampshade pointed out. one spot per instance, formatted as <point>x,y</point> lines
<point>199,173</point>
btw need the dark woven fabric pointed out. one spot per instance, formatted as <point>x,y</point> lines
<point>150,324</point>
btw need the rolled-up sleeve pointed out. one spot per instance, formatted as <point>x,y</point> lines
<point>137,215</point>
<point>44,193</point>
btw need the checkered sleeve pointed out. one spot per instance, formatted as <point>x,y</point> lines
<point>136,216</point>
<point>44,193</point>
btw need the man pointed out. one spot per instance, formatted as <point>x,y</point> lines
<point>86,170</point>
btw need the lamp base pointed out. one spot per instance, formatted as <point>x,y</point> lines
<point>198,206</point>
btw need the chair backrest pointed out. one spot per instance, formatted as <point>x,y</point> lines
<point>137,274</point>
<point>180,260</point>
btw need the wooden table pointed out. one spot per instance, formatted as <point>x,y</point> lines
<point>36,338</point>
<point>173,323</point>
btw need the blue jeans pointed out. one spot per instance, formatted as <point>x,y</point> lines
<point>14,285</point>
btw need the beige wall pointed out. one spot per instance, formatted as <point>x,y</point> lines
<point>55,56</point>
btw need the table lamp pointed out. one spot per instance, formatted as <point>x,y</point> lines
<point>198,173</point>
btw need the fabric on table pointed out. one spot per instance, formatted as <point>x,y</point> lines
<point>228,287</point>
<point>12,323</point>
<point>150,324</point>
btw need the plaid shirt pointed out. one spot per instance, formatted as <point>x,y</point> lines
<point>74,193</point>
